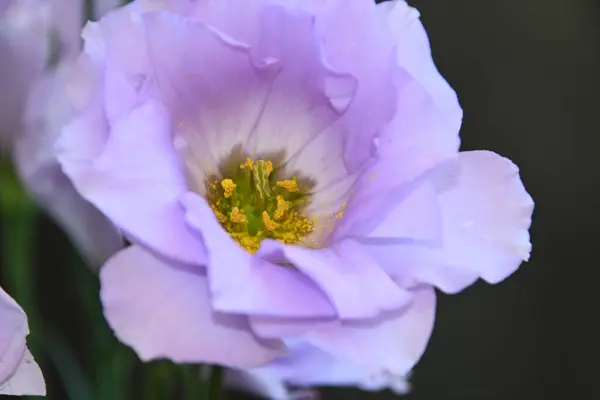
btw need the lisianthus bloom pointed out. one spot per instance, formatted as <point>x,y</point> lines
<point>19,374</point>
<point>286,171</point>
<point>39,40</point>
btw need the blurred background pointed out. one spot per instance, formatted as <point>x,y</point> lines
<point>528,77</point>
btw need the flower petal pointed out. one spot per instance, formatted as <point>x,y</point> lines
<point>302,93</point>
<point>393,343</point>
<point>242,283</point>
<point>365,291</point>
<point>164,311</point>
<point>306,98</point>
<point>265,386</point>
<point>486,215</point>
<point>136,182</point>
<point>424,130</point>
<point>26,381</point>
<point>411,262</point>
<point>215,95</point>
<point>413,53</point>
<point>351,39</point>
<point>13,331</point>
<point>307,366</point>
<point>355,41</point>
<point>405,212</point>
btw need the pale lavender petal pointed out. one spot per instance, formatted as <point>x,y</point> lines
<point>428,118</point>
<point>486,216</point>
<point>26,381</point>
<point>351,38</point>
<point>413,54</point>
<point>215,96</point>
<point>234,95</point>
<point>487,213</point>
<point>355,41</point>
<point>405,212</point>
<point>19,374</point>
<point>13,331</point>
<point>126,66</point>
<point>286,328</point>
<point>259,384</point>
<point>139,190</point>
<point>410,263</point>
<point>164,311</point>
<point>424,130</point>
<point>80,141</point>
<point>307,98</point>
<point>307,366</point>
<point>242,283</point>
<point>366,290</point>
<point>392,343</point>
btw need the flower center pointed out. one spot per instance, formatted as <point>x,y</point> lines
<point>252,205</point>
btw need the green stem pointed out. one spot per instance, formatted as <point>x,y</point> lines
<point>192,382</point>
<point>215,382</point>
<point>159,380</point>
<point>68,367</point>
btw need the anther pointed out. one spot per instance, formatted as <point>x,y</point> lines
<point>228,187</point>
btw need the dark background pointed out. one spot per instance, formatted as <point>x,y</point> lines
<point>527,76</point>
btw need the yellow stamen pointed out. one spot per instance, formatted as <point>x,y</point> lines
<point>269,167</point>
<point>228,187</point>
<point>289,185</point>
<point>282,207</point>
<point>237,216</point>
<point>252,207</point>
<point>269,224</point>
<point>248,164</point>
<point>250,243</point>
<point>220,216</point>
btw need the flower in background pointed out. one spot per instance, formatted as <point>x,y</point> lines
<point>39,41</point>
<point>288,173</point>
<point>24,26</point>
<point>19,374</point>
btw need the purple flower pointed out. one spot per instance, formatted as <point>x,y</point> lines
<point>19,374</point>
<point>288,172</point>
